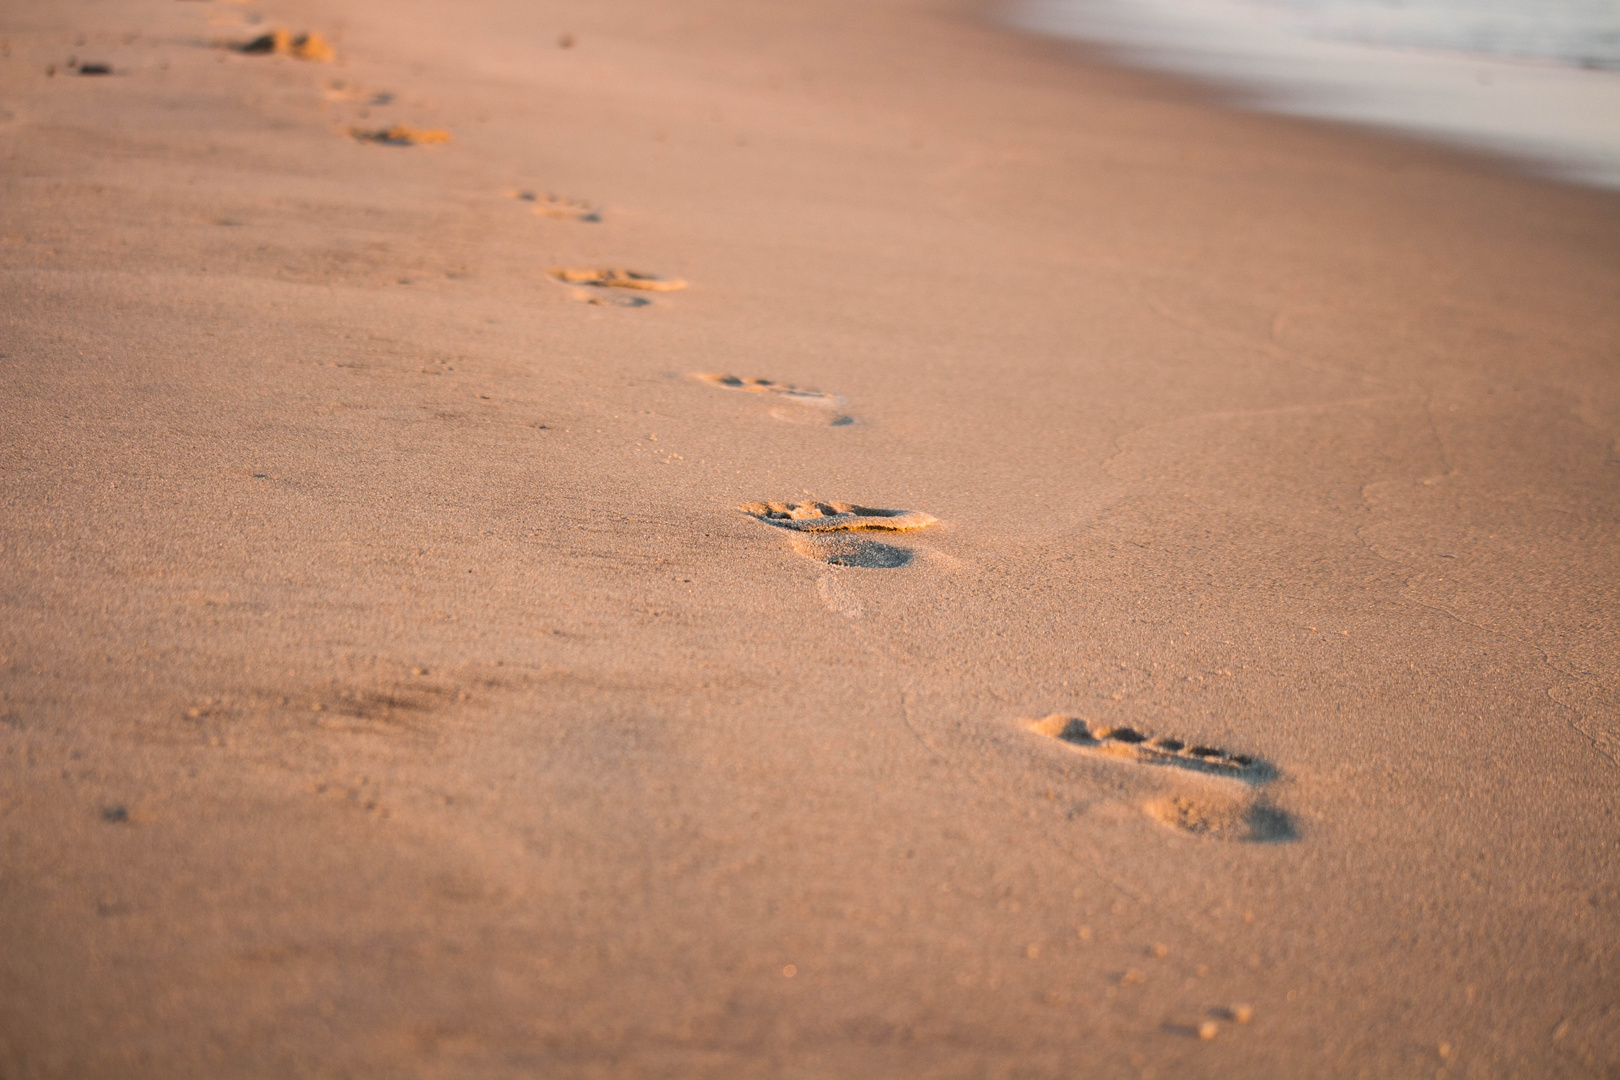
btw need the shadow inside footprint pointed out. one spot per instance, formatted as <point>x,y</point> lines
<point>852,551</point>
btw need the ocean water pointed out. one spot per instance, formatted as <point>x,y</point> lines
<point>1537,80</point>
<point>1585,33</point>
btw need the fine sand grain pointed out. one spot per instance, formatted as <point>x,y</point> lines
<point>390,685</point>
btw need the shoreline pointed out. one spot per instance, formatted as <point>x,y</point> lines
<point>1549,118</point>
<point>409,671</point>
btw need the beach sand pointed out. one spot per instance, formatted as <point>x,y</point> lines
<point>393,684</point>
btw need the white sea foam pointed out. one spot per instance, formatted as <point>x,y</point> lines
<point>1536,79</point>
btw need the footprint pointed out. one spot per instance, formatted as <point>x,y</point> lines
<point>821,531</point>
<point>400,135</point>
<point>1132,744</point>
<point>1222,811</point>
<point>558,206</point>
<point>823,517</point>
<point>606,299</point>
<point>818,407</point>
<point>338,90</point>
<point>282,42</point>
<point>617,278</point>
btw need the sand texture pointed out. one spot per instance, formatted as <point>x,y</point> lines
<point>393,683</point>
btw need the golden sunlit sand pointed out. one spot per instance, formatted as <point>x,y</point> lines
<point>410,668</point>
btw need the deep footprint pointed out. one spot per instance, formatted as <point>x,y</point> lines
<point>1219,812</point>
<point>822,531</point>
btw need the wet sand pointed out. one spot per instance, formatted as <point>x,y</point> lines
<point>393,684</point>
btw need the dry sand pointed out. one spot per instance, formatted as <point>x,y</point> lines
<point>392,685</point>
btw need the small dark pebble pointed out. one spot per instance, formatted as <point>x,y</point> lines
<point>95,69</point>
<point>1126,735</point>
<point>115,813</point>
<point>264,43</point>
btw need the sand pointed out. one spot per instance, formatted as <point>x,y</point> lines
<point>393,684</point>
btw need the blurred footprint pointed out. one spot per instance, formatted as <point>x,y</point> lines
<point>616,278</point>
<point>802,406</point>
<point>558,206</point>
<point>282,42</point>
<point>607,299</point>
<point>338,90</point>
<point>400,135</point>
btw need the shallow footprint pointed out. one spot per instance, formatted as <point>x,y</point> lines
<point>803,406</point>
<point>1218,811</point>
<point>349,93</point>
<point>558,206</point>
<point>822,531</point>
